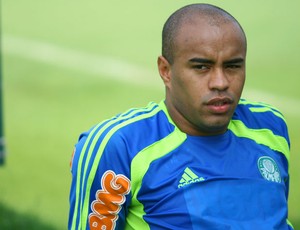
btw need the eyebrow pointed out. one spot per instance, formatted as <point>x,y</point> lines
<point>234,61</point>
<point>208,61</point>
<point>201,60</point>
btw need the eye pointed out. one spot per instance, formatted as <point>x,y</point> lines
<point>201,67</point>
<point>233,66</point>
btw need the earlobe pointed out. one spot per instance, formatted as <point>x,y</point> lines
<point>164,69</point>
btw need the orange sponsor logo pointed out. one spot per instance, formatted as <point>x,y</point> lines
<point>109,201</point>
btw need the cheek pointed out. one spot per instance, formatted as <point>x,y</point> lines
<point>180,93</point>
<point>240,85</point>
<point>187,86</point>
<point>191,97</point>
<point>237,84</point>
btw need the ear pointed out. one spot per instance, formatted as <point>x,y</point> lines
<point>164,69</point>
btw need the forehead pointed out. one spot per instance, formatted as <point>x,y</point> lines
<point>196,34</point>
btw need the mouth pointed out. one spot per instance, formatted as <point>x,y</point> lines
<point>219,105</point>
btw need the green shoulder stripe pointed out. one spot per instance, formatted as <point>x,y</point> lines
<point>259,107</point>
<point>261,136</point>
<point>266,109</point>
<point>78,178</point>
<point>246,102</point>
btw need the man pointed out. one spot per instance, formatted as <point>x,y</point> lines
<point>200,159</point>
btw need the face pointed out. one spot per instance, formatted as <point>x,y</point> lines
<point>205,81</point>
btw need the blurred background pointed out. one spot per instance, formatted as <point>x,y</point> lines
<point>67,65</point>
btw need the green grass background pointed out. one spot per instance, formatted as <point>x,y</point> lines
<point>46,106</point>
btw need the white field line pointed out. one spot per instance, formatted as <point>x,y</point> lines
<point>100,66</point>
<point>103,66</point>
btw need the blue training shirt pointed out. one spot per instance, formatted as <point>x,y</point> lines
<point>138,171</point>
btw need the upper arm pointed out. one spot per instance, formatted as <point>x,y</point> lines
<point>100,191</point>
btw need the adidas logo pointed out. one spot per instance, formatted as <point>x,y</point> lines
<point>189,177</point>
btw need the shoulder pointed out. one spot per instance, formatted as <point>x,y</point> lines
<point>258,115</point>
<point>123,120</point>
<point>130,131</point>
<point>258,110</point>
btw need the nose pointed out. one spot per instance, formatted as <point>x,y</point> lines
<point>218,80</point>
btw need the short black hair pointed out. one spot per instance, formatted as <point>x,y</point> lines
<point>214,14</point>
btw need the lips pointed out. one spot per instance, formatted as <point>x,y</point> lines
<point>219,105</point>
